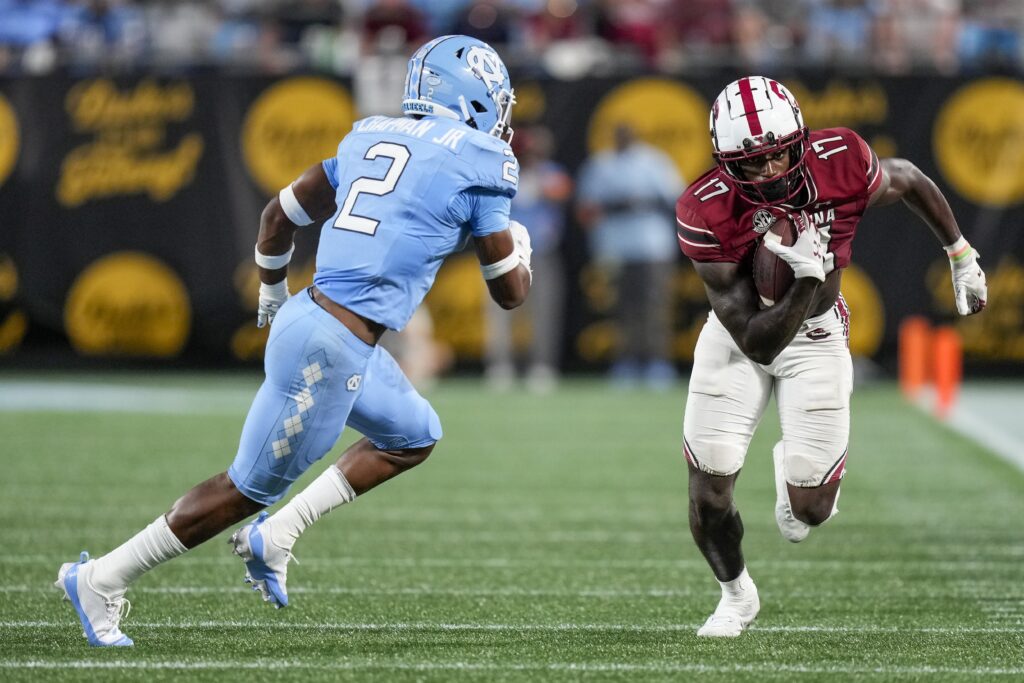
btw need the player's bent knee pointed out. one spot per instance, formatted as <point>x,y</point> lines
<point>714,457</point>
<point>815,510</point>
<point>408,458</point>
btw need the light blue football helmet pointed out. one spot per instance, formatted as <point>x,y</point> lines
<point>460,78</point>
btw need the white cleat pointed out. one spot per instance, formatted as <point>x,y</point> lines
<point>791,528</point>
<point>733,614</point>
<point>100,614</point>
<point>266,563</point>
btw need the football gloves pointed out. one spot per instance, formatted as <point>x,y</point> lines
<point>271,298</point>
<point>805,256</point>
<point>969,286</point>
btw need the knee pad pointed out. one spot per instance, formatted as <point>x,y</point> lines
<point>811,468</point>
<point>718,457</point>
<point>411,429</point>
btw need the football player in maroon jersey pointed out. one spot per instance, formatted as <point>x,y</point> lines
<point>768,161</point>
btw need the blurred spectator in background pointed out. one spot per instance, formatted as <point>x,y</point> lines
<point>488,20</point>
<point>553,21</point>
<point>697,31</point>
<point>631,25</point>
<point>839,31</point>
<point>393,26</point>
<point>767,32</point>
<point>917,32</point>
<point>183,33</point>
<point>544,188</point>
<point>626,202</point>
<point>109,32</point>
<point>991,34</point>
<point>28,34</point>
<point>561,38</point>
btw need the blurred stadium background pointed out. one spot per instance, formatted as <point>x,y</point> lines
<point>139,142</point>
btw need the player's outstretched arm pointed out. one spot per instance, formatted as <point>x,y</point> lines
<point>308,200</point>
<point>505,263</point>
<point>760,334</point>
<point>902,180</point>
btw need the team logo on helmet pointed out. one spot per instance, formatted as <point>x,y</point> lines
<point>763,219</point>
<point>486,65</point>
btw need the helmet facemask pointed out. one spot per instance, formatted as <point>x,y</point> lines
<point>780,188</point>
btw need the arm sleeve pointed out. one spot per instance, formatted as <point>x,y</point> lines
<point>695,239</point>
<point>331,169</point>
<point>485,211</point>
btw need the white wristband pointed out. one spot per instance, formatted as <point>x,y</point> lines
<point>957,246</point>
<point>273,261</point>
<point>509,263</point>
<point>290,204</point>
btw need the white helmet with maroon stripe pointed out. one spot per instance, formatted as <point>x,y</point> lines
<point>754,116</point>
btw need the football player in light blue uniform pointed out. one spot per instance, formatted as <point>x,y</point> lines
<point>400,196</point>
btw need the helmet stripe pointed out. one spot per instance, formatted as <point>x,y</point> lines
<point>749,109</point>
<point>427,49</point>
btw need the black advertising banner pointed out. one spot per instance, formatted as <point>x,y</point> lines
<point>129,207</point>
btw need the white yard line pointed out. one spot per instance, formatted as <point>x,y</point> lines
<point>22,396</point>
<point>986,432</point>
<point>1013,607</point>
<point>575,667</point>
<point>947,565</point>
<point>1011,562</point>
<point>449,592</point>
<point>513,627</point>
<point>990,415</point>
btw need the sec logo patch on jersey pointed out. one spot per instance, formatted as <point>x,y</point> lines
<point>763,219</point>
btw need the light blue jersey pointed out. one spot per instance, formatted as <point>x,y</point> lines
<point>409,193</point>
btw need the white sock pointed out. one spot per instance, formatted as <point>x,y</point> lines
<point>153,545</point>
<point>738,586</point>
<point>327,492</point>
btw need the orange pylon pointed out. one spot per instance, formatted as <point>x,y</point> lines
<point>914,351</point>
<point>947,367</point>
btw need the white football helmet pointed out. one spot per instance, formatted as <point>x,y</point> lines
<point>754,116</point>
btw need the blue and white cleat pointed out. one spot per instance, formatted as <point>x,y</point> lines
<point>100,614</point>
<point>266,563</point>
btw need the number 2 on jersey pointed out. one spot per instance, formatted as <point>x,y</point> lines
<point>399,155</point>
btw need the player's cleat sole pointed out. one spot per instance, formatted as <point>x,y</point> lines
<point>791,528</point>
<point>265,563</point>
<point>732,616</point>
<point>99,615</point>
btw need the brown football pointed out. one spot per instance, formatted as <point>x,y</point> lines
<point>772,276</point>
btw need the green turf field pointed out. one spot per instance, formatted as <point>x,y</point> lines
<point>545,539</point>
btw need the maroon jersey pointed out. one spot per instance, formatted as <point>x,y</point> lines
<point>716,222</point>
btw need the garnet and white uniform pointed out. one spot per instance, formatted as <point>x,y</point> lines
<point>813,376</point>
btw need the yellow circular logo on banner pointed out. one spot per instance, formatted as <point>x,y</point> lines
<point>979,141</point>
<point>292,125</point>
<point>666,114</point>
<point>9,139</point>
<point>128,303</point>
<point>13,321</point>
